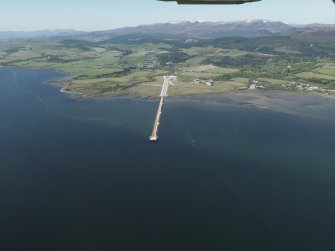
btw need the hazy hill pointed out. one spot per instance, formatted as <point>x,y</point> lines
<point>4,35</point>
<point>316,32</point>
<point>185,29</point>
<point>247,28</point>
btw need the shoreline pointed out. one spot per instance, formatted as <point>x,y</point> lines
<point>63,86</point>
<point>139,96</point>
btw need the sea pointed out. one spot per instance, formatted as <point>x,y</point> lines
<point>235,171</point>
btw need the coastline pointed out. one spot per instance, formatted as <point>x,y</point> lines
<point>64,84</point>
<point>209,94</point>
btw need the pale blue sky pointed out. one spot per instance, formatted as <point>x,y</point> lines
<point>108,14</point>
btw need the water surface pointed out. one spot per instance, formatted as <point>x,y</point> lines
<point>80,174</point>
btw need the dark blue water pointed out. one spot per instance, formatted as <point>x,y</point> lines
<point>80,174</point>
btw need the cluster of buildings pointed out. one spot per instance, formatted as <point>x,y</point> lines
<point>152,63</point>
<point>208,82</point>
<point>254,84</point>
<point>305,87</point>
<point>191,41</point>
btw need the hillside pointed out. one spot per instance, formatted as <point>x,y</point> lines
<point>206,58</point>
<point>197,29</point>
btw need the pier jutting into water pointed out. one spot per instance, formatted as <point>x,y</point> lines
<point>164,93</point>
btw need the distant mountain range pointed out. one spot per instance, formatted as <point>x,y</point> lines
<point>248,28</point>
<point>187,29</point>
<point>5,35</point>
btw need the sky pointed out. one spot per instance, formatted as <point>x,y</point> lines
<point>90,15</point>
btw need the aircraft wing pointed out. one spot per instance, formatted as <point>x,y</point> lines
<point>211,1</point>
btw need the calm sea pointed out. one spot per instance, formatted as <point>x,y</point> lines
<point>80,174</point>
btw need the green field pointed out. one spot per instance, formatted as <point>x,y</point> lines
<point>134,66</point>
<point>312,75</point>
<point>326,70</point>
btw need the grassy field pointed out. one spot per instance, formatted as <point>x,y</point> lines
<point>109,69</point>
<point>312,75</point>
<point>183,88</point>
<point>195,51</point>
<point>326,70</point>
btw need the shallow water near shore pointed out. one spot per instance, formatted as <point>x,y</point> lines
<point>236,171</point>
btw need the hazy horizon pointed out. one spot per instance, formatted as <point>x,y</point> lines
<point>173,22</point>
<point>20,15</point>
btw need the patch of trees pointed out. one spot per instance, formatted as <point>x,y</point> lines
<point>227,77</point>
<point>78,44</point>
<point>58,59</point>
<point>11,50</point>
<point>322,81</point>
<point>308,47</point>
<point>136,39</point>
<point>175,56</point>
<point>246,60</point>
<point>261,44</point>
<point>124,72</point>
